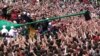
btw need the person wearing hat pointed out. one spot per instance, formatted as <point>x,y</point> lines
<point>4,31</point>
<point>24,12</point>
<point>11,32</point>
<point>26,16</point>
<point>18,19</point>
<point>4,10</point>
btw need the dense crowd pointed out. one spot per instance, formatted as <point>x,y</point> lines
<point>71,36</point>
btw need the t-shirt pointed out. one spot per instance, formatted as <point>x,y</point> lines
<point>11,32</point>
<point>4,31</point>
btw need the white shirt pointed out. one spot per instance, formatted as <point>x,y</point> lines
<point>4,30</point>
<point>8,40</point>
<point>11,32</point>
<point>50,37</point>
<point>65,53</point>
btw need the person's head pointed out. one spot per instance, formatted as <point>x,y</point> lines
<point>12,27</point>
<point>14,22</point>
<point>5,6</point>
<point>28,14</point>
<point>24,13</point>
<point>4,26</point>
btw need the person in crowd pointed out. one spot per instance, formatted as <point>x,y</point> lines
<point>4,11</point>
<point>70,36</point>
<point>13,32</point>
<point>4,31</point>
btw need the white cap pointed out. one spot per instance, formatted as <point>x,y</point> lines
<point>19,15</point>
<point>47,18</point>
<point>28,14</point>
<point>14,22</point>
<point>25,26</point>
<point>24,12</point>
<point>50,23</point>
<point>4,26</point>
<point>12,27</point>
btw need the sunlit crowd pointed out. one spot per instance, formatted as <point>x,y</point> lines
<point>69,36</point>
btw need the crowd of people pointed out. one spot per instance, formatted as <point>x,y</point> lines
<point>70,36</point>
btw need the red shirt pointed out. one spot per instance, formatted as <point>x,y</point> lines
<point>96,38</point>
<point>86,1</point>
<point>13,15</point>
